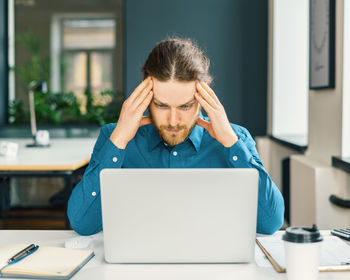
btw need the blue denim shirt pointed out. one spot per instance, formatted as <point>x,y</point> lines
<point>148,150</point>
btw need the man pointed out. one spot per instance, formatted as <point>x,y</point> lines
<point>174,135</point>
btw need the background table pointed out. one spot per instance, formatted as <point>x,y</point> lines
<point>65,158</point>
<point>97,268</point>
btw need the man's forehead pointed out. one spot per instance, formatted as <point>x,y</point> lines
<point>173,92</point>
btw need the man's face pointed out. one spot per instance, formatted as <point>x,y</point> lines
<point>174,109</point>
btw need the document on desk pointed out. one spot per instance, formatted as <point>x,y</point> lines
<point>335,253</point>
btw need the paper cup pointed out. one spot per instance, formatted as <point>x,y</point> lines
<point>302,252</point>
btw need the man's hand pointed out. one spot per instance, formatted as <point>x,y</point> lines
<point>130,118</point>
<point>219,127</point>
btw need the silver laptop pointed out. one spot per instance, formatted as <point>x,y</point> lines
<point>179,215</point>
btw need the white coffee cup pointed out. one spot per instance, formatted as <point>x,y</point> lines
<point>302,247</point>
<point>42,138</point>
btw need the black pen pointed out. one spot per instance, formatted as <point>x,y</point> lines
<point>26,251</point>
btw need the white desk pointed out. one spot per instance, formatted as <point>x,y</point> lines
<point>65,158</point>
<point>97,268</point>
<point>66,154</point>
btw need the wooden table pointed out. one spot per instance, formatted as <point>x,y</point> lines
<point>65,158</point>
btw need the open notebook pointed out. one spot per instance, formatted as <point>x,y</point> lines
<point>335,253</point>
<point>45,263</point>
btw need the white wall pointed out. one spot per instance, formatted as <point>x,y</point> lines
<point>345,150</point>
<point>312,182</point>
<point>325,106</point>
<point>272,154</point>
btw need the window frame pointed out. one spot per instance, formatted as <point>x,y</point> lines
<point>4,61</point>
<point>88,72</point>
<point>56,44</point>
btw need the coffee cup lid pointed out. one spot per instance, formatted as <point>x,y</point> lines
<point>302,235</point>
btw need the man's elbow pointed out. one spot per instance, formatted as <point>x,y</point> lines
<point>81,224</point>
<point>274,223</point>
<point>84,228</point>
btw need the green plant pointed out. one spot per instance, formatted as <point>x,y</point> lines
<point>64,108</point>
<point>56,108</point>
<point>37,67</point>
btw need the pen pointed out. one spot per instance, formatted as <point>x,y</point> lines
<point>26,251</point>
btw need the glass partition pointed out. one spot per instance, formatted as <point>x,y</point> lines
<point>76,47</point>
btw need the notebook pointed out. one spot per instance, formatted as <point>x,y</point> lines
<point>44,263</point>
<point>335,253</point>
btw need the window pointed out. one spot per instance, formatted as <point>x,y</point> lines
<point>290,68</point>
<point>84,62</point>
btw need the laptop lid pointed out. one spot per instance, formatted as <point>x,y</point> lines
<point>179,215</point>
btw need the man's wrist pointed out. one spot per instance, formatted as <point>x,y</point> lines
<point>231,140</point>
<point>230,144</point>
<point>117,141</point>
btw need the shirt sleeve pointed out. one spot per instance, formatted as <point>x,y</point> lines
<point>84,205</point>
<point>243,154</point>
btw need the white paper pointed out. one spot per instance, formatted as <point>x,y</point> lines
<point>334,251</point>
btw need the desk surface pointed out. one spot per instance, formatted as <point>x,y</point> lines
<point>97,268</point>
<point>64,154</point>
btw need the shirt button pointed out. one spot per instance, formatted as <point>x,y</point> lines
<point>234,158</point>
<point>115,159</point>
<point>93,193</point>
<point>174,153</point>
<point>165,144</point>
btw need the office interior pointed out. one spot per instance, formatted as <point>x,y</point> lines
<point>91,52</point>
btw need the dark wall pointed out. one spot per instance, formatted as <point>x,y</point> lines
<point>232,32</point>
<point>3,62</point>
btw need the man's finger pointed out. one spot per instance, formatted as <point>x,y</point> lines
<point>204,103</point>
<point>210,91</point>
<point>145,103</point>
<point>141,97</point>
<point>206,96</point>
<point>203,123</point>
<point>145,121</point>
<point>139,88</point>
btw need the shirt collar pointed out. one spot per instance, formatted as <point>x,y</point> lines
<point>195,137</point>
<point>154,138</point>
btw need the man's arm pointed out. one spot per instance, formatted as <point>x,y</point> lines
<point>84,205</point>
<point>243,154</point>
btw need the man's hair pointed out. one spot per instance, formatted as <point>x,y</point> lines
<point>177,59</point>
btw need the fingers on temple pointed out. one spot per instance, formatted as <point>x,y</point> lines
<point>142,95</point>
<point>206,96</point>
<point>206,106</point>
<point>139,89</point>
<point>145,102</point>
<point>210,91</point>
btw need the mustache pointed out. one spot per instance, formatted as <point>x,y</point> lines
<point>170,127</point>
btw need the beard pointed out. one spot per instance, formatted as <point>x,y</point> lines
<point>174,139</point>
